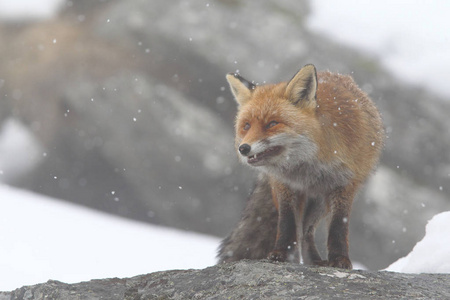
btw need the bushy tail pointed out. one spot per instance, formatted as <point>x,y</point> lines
<point>254,236</point>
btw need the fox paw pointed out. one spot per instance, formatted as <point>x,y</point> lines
<point>320,263</point>
<point>277,255</point>
<point>340,261</point>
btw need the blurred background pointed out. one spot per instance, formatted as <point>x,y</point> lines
<point>123,107</point>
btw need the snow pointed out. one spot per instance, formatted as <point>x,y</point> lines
<point>20,151</point>
<point>432,253</point>
<point>28,9</point>
<point>43,238</point>
<point>411,38</point>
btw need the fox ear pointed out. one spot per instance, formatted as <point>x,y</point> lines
<point>240,87</point>
<point>301,89</point>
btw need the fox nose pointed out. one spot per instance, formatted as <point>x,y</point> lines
<point>244,149</point>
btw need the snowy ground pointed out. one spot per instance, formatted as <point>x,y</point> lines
<point>43,238</point>
<point>432,253</point>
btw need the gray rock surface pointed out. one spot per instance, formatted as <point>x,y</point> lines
<point>130,102</point>
<point>248,280</point>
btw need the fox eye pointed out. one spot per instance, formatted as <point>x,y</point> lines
<point>246,126</point>
<point>271,124</point>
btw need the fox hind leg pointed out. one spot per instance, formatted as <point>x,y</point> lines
<point>338,245</point>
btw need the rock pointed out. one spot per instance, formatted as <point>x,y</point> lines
<point>248,280</point>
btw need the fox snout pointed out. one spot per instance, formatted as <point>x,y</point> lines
<point>259,153</point>
<point>244,149</point>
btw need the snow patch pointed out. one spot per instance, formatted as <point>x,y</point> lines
<point>29,9</point>
<point>20,151</point>
<point>432,253</point>
<point>411,38</point>
<point>43,238</point>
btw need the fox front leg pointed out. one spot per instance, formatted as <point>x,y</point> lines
<point>289,208</point>
<point>314,211</point>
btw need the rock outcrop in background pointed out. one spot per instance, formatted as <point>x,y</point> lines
<point>129,101</point>
<point>248,280</point>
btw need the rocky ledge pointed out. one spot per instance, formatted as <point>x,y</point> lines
<point>249,280</point>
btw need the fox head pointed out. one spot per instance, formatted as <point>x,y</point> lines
<point>276,123</point>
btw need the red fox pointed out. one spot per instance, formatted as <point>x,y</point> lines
<point>314,140</point>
